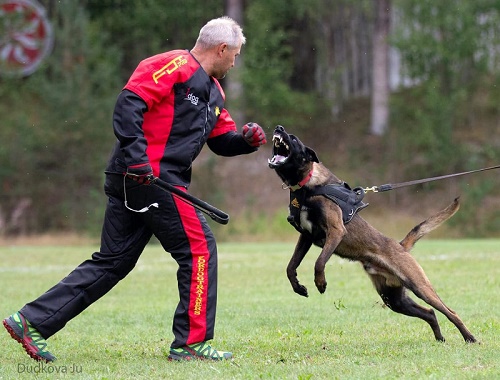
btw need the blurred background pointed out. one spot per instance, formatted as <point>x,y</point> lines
<point>384,91</point>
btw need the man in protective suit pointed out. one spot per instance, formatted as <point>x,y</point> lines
<point>171,106</point>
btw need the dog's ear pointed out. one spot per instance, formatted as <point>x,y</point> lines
<point>311,155</point>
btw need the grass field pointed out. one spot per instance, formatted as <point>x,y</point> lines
<point>273,333</point>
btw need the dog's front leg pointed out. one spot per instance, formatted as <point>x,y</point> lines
<point>333,238</point>
<point>303,245</point>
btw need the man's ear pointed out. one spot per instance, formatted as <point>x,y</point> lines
<point>221,49</point>
<point>311,155</point>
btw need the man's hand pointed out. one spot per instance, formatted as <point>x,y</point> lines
<point>141,173</point>
<point>254,134</point>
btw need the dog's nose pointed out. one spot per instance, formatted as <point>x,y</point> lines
<point>279,128</point>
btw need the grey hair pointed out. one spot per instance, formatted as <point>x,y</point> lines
<point>221,30</point>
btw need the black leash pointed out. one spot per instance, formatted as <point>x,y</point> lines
<point>217,215</point>
<point>392,186</point>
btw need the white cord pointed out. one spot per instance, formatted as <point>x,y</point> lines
<point>144,209</point>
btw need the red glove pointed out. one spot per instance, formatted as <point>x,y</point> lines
<point>254,134</point>
<point>141,173</point>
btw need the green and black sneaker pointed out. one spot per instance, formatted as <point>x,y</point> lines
<point>198,351</point>
<point>21,330</point>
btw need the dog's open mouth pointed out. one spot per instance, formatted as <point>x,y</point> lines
<point>281,151</point>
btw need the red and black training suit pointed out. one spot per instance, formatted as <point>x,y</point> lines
<point>166,112</point>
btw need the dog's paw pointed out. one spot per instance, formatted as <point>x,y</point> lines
<point>301,290</point>
<point>320,281</point>
<point>470,339</point>
<point>321,287</point>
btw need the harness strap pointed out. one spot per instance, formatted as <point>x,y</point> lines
<point>349,200</point>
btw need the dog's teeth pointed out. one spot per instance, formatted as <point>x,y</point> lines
<point>278,141</point>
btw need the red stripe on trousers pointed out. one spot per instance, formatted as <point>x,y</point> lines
<point>199,277</point>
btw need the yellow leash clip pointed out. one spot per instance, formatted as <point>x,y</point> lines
<point>373,188</point>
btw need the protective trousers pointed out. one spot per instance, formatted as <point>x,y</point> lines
<point>182,231</point>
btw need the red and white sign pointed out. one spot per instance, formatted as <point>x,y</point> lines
<point>25,36</point>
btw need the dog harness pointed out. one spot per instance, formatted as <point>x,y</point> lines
<point>349,200</point>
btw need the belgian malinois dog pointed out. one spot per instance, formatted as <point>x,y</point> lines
<point>322,222</point>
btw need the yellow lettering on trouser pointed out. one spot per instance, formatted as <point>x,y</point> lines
<point>169,68</point>
<point>200,278</point>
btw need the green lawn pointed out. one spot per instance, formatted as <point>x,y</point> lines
<point>273,333</point>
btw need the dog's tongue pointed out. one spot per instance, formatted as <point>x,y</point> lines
<point>277,159</point>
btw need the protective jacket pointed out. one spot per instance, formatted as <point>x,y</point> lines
<point>166,112</point>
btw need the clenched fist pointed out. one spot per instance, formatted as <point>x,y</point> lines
<point>254,134</point>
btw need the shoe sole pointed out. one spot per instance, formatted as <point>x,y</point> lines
<point>19,340</point>
<point>179,358</point>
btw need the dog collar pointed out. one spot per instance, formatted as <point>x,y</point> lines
<point>301,183</point>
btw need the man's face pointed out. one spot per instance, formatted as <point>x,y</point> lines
<point>226,61</point>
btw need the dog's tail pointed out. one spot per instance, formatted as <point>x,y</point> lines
<point>429,224</point>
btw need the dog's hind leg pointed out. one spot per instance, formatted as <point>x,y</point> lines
<point>414,279</point>
<point>396,299</point>
<point>430,296</point>
<point>300,251</point>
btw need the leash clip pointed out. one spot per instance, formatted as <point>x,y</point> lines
<point>373,188</point>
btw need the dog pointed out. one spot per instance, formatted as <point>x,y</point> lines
<point>337,228</point>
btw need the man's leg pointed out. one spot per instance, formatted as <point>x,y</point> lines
<point>191,243</point>
<point>123,238</point>
<point>122,241</point>
<point>194,319</point>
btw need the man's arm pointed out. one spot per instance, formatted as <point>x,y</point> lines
<point>127,124</point>
<point>128,117</point>
<point>230,144</point>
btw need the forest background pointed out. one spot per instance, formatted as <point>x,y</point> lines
<point>384,91</point>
